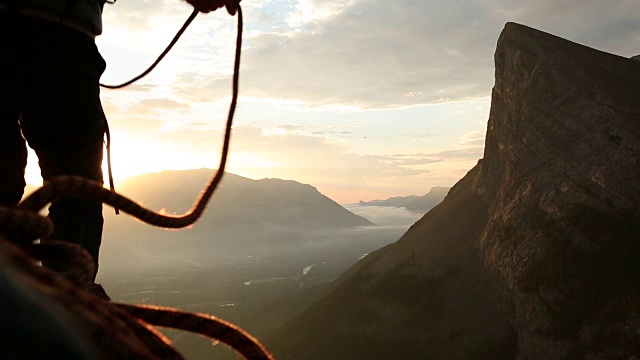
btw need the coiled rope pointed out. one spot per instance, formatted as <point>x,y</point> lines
<point>122,323</point>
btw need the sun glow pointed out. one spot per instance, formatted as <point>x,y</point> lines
<point>32,172</point>
<point>251,165</point>
<point>132,156</point>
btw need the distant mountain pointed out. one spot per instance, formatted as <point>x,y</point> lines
<point>395,201</point>
<point>242,200</point>
<point>241,209</point>
<point>428,201</point>
<point>415,203</point>
<point>534,254</point>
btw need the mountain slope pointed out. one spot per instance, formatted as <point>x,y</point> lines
<point>408,300</point>
<point>242,212</point>
<point>534,253</point>
<point>240,199</point>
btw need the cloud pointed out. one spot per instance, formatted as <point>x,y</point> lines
<point>420,161</point>
<point>136,32</point>
<point>135,124</point>
<point>473,153</point>
<point>416,135</point>
<point>158,106</point>
<point>469,149</point>
<point>326,163</point>
<point>199,124</point>
<point>473,139</point>
<point>290,127</point>
<point>329,163</point>
<point>139,15</point>
<point>359,53</point>
<point>195,141</point>
<point>309,11</point>
<point>375,54</point>
<point>138,86</point>
<point>321,62</point>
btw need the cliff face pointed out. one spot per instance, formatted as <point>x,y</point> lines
<point>560,178</point>
<point>535,253</point>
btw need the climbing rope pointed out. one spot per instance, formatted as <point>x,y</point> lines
<point>160,57</point>
<point>122,323</point>
<point>231,9</point>
<point>79,187</point>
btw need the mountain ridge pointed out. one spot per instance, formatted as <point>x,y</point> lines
<point>244,214</point>
<point>158,191</point>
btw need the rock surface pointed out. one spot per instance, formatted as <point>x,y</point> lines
<point>535,253</point>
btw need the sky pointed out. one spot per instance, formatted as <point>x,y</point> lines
<point>363,99</point>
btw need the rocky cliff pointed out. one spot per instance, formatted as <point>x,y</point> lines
<point>535,253</point>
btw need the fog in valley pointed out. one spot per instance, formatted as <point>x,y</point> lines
<point>386,216</point>
<point>257,268</point>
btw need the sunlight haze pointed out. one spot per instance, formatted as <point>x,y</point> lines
<point>362,99</point>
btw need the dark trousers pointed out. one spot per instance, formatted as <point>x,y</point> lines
<point>49,96</point>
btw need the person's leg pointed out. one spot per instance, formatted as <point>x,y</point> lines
<point>13,156</point>
<point>63,121</point>
<point>13,152</point>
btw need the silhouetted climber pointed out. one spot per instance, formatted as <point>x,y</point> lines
<point>50,97</point>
